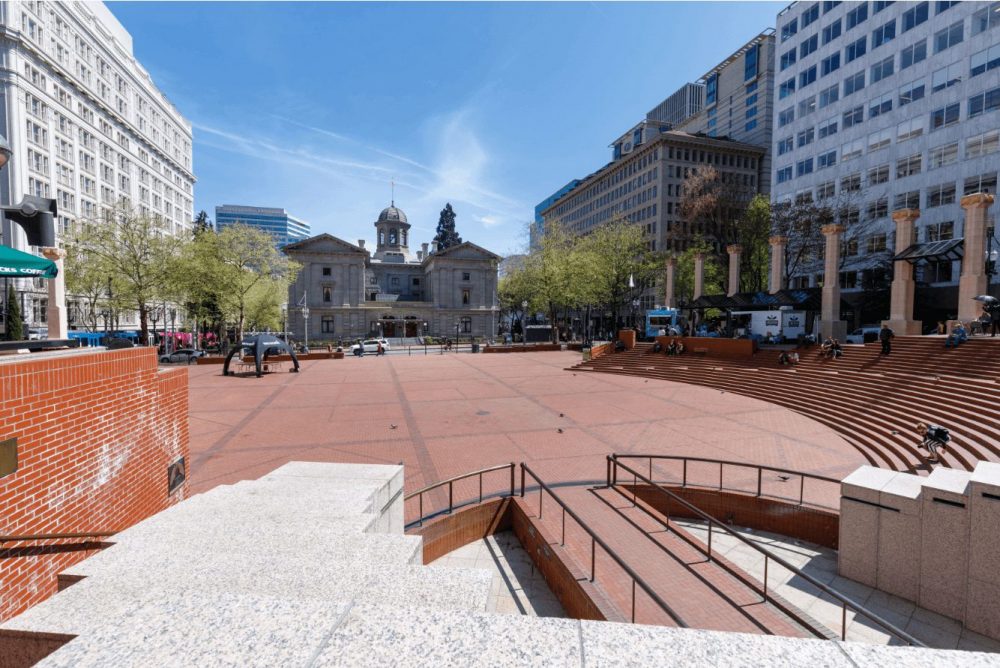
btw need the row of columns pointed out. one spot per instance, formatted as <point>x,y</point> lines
<point>972,282</point>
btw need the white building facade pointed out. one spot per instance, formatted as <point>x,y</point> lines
<point>86,124</point>
<point>892,103</point>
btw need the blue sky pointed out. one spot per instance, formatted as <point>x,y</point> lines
<point>315,107</point>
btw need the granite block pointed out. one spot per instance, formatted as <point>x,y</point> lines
<point>379,636</point>
<point>866,483</point>
<point>944,544</point>
<point>878,656</point>
<point>858,555</point>
<point>984,523</point>
<point>982,612</point>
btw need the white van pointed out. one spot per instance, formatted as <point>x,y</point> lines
<point>859,335</point>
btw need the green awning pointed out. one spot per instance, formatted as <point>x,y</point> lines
<point>25,265</point>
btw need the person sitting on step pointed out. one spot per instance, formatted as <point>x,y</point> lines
<point>958,335</point>
<point>672,347</point>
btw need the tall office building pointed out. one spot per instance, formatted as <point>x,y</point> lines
<point>683,104</point>
<point>285,228</point>
<point>86,124</point>
<point>893,104</point>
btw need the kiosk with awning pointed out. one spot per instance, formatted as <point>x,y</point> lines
<point>18,264</point>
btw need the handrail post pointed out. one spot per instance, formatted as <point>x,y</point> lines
<point>720,476</point>
<point>420,498</point>
<point>843,623</point>
<point>522,480</point>
<point>563,541</point>
<point>633,600</point>
<point>765,578</point>
<point>593,560</point>
<point>760,473</point>
<point>512,478</point>
<point>802,488</point>
<point>635,485</point>
<point>480,487</point>
<point>651,468</point>
<point>541,497</point>
<point>451,496</point>
<point>607,465</point>
<point>709,541</point>
<point>684,480</point>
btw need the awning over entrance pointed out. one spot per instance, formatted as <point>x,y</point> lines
<point>933,251</point>
<point>801,299</point>
<point>25,265</point>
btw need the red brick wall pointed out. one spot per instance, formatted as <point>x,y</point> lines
<point>95,433</point>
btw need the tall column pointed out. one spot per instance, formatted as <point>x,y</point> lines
<point>974,280</point>
<point>778,244</point>
<point>56,314</point>
<point>903,286</point>
<point>830,322</point>
<point>735,251</point>
<point>699,274</point>
<point>671,280</point>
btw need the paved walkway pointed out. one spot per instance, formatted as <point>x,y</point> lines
<point>446,415</point>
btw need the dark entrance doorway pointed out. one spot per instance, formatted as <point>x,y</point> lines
<point>389,328</point>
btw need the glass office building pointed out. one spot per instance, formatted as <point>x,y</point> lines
<point>285,228</point>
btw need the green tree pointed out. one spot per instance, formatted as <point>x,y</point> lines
<point>12,316</point>
<point>513,289</point>
<point>548,269</point>
<point>240,271</point>
<point>139,254</point>
<point>752,233</point>
<point>714,276</point>
<point>202,223</point>
<point>87,278</point>
<point>446,235</point>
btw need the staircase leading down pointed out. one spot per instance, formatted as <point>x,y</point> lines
<point>873,402</point>
<point>308,566</point>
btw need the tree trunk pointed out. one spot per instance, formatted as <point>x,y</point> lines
<point>143,325</point>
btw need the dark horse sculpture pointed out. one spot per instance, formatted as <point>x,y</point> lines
<point>261,346</point>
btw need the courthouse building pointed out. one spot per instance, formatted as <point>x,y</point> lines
<point>351,292</point>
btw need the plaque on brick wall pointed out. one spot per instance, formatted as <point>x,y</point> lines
<point>8,456</point>
<point>175,475</point>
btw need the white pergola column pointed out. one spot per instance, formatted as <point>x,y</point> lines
<point>735,251</point>
<point>830,322</point>
<point>903,285</point>
<point>56,312</point>
<point>778,245</point>
<point>699,275</point>
<point>669,297</point>
<point>974,280</point>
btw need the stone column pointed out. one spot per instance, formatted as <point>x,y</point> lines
<point>830,322</point>
<point>778,244</point>
<point>973,281</point>
<point>903,286</point>
<point>699,275</point>
<point>735,251</point>
<point>56,314</point>
<point>671,280</point>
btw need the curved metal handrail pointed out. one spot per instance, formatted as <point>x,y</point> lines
<point>725,462</point>
<point>712,521</point>
<point>595,539</point>
<point>451,491</point>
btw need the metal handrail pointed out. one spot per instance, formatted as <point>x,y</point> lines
<point>55,536</point>
<point>725,462</point>
<point>596,540</point>
<point>845,602</point>
<point>451,491</point>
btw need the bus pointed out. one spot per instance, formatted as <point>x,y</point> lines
<point>667,319</point>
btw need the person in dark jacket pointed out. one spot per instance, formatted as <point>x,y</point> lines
<point>885,337</point>
<point>935,436</point>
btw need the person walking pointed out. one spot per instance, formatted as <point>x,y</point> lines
<point>885,337</point>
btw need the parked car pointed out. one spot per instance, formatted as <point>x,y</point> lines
<point>371,346</point>
<point>186,355</point>
<point>38,333</point>
<point>866,334</point>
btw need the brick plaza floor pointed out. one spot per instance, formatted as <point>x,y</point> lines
<point>446,415</point>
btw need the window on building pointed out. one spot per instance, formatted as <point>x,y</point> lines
<point>711,89</point>
<point>909,166</point>
<point>941,195</point>
<point>911,92</point>
<point>944,116</point>
<point>326,324</point>
<point>855,49</point>
<point>850,183</point>
<point>884,34</point>
<point>848,280</point>
<point>789,29</point>
<point>826,190</point>
<point>949,37</point>
<point>466,276</point>
<point>803,167</point>
<point>785,117</point>
<point>327,293</point>
<point>785,145</point>
<point>852,149</point>
<point>786,88</point>
<point>913,54</point>
<point>877,175</point>
<point>942,156</point>
<point>808,46</point>
<point>854,116</point>
<point>784,174</point>
<point>750,62</point>
<point>807,106</point>
<point>829,64</point>
<point>831,32</point>
<point>810,15</point>
<point>880,105</point>
<point>984,183</point>
<point>466,296</point>
<point>849,247</point>
<point>466,325</point>
<point>829,4</point>
<point>787,59</point>
<point>883,69</point>
<point>828,128</point>
<point>807,76</point>
<point>879,5</point>
<point>805,137</point>
<point>915,15</point>
<point>854,83</point>
<point>909,129</point>
<point>984,102</point>
<point>828,159</point>
<point>946,77</point>
<point>908,200</point>
<point>879,140</point>
<point>986,18</point>
<point>829,95</point>
<point>985,60</point>
<point>857,15</point>
<point>326,271</point>
<point>983,144</point>
<point>876,243</point>
<point>938,271</point>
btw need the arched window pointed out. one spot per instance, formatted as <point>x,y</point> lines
<point>403,234</point>
<point>392,237</point>
<point>381,238</point>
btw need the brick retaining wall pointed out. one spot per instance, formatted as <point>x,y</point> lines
<point>96,431</point>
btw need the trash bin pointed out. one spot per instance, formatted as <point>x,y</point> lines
<point>475,347</point>
<point>586,354</point>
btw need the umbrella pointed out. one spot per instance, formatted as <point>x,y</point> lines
<point>987,299</point>
<point>22,265</point>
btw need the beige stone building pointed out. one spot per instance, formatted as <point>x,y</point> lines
<point>351,292</point>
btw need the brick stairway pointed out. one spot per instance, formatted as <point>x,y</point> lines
<point>702,593</point>
<point>874,402</point>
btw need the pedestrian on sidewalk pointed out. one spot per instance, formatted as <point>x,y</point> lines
<point>885,336</point>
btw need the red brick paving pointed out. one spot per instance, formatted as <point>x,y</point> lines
<point>459,412</point>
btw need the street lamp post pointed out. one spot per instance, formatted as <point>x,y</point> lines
<point>524,329</point>
<point>635,307</point>
<point>284,321</point>
<point>456,334</point>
